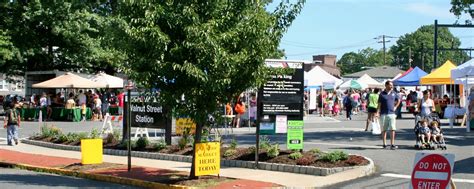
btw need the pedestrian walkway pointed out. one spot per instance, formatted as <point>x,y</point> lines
<point>246,178</point>
<point>138,172</point>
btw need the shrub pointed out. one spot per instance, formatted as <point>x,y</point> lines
<point>316,151</point>
<point>95,134</point>
<point>295,155</point>
<point>72,137</point>
<point>110,138</point>
<point>273,151</point>
<point>185,139</point>
<point>230,152</point>
<point>82,135</point>
<point>50,131</point>
<point>233,144</point>
<point>305,160</point>
<point>264,142</point>
<point>124,144</point>
<point>62,138</point>
<point>117,134</point>
<point>160,145</point>
<point>252,149</point>
<point>142,143</point>
<point>335,156</point>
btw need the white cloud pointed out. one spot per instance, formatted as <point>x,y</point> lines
<point>429,10</point>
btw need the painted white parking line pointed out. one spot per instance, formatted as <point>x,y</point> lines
<point>345,145</point>
<point>409,177</point>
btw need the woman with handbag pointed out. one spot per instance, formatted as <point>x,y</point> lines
<point>239,111</point>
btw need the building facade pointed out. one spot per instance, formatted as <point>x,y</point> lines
<point>11,87</point>
<point>326,62</point>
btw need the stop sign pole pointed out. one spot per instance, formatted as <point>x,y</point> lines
<point>432,171</point>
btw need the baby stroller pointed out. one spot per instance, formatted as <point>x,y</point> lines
<point>419,131</point>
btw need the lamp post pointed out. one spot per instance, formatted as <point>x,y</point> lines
<point>129,88</point>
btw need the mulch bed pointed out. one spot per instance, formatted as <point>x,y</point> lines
<point>244,154</point>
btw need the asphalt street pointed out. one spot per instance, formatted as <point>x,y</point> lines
<point>22,179</point>
<point>394,167</point>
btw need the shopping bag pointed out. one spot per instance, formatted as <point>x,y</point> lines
<point>375,128</point>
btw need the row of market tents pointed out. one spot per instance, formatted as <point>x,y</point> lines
<point>446,74</point>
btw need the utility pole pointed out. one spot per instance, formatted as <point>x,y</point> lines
<point>409,57</point>
<point>423,56</point>
<point>383,37</point>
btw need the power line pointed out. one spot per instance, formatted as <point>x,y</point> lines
<point>334,49</point>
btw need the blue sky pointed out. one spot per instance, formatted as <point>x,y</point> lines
<point>340,26</point>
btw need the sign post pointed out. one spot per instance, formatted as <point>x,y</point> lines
<point>432,171</point>
<point>129,88</point>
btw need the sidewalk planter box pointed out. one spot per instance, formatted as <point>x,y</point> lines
<point>91,151</point>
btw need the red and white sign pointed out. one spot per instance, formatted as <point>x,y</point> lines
<point>432,171</point>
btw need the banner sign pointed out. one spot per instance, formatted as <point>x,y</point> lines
<point>283,94</point>
<point>281,124</point>
<point>295,135</point>
<point>147,114</point>
<point>207,158</point>
<point>185,123</point>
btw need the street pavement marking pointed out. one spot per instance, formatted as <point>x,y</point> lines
<point>409,177</point>
<point>345,145</point>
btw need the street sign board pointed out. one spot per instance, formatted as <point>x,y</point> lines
<point>295,135</point>
<point>432,171</point>
<point>207,158</point>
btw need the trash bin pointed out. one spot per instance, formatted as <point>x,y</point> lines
<point>91,151</point>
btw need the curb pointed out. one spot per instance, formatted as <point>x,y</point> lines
<point>308,170</point>
<point>92,176</point>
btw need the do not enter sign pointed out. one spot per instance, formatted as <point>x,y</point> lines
<point>432,171</point>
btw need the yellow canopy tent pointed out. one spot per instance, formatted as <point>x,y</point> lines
<point>441,76</point>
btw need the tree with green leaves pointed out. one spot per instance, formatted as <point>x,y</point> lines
<point>460,7</point>
<point>201,54</point>
<point>356,61</point>
<point>59,35</point>
<point>421,43</point>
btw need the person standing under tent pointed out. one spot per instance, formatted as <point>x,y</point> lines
<point>82,102</point>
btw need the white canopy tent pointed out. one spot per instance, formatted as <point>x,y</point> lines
<point>108,80</point>
<point>317,77</point>
<point>463,75</point>
<point>370,82</point>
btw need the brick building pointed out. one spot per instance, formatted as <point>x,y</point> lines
<point>326,62</point>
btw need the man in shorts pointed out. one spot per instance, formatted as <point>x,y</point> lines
<point>388,103</point>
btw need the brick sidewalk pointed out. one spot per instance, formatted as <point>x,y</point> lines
<point>140,173</point>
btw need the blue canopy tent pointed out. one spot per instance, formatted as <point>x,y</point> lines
<point>411,79</point>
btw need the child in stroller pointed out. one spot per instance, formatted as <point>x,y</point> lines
<point>437,135</point>
<point>424,134</point>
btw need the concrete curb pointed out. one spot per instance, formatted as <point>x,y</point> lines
<point>92,176</point>
<point>309,170</point>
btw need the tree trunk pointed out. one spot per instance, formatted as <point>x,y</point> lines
<point>197,138</point>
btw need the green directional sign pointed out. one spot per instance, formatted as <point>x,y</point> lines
<point>295,135</point>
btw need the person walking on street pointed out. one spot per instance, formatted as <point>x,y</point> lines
<point>12,123</point>
<point>347,102</point>
<point>373,100</point>
<point>387,104</point>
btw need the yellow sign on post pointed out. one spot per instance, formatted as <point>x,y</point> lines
<point>208,160</point>
<point>91,150</point>
<point>185,123</point>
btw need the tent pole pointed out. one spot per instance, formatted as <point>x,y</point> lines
<point>466,104</point>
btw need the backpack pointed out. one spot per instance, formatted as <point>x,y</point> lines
<point>13,117</point>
